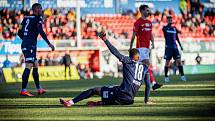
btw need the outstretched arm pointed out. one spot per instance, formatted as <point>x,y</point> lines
<point>112,49</point>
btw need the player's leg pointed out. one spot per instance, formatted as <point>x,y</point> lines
<point>181,70</point>
<point>28,65</point>
<point>147,88</point>
<point>166,69</point>
<point>177,57</point>
<point>36,77</point>
<point>84,95</point>
<point>144,57</point>
<point>69,71</point>
<point>154,84</point>
<point>167,56</point>
<point>25,77</point>
<point>65,67</point>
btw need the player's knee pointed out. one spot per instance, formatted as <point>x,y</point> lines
<point>96,90</point>
<point>29,65</point>
<point>179,62</point>
<point>167,63</point>
<point>146,62</point>
<point>35,65</point>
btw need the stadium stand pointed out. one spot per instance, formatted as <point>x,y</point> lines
<point>60,24</point>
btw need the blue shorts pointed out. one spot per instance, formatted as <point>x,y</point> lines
<point>144,53</point>
<point>112,96</point>
<point>171,53</point>
<point>29,54</point>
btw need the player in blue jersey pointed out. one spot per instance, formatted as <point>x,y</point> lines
<point>171,49</point>
<point>135,73</point>
<point>30,27</point>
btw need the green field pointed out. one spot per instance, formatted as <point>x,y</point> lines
<point>177,100</point>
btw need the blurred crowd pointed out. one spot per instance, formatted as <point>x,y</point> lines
<point>192,21</point>
<point>60,24</point>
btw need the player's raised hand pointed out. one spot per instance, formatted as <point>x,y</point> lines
<point>52,47</point>
<point>102,35</point>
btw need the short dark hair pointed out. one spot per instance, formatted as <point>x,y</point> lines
<point>133,52</point>
<point>143,7</point>
<point>35,5</point>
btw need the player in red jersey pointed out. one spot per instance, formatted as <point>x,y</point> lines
<point>143,31</point>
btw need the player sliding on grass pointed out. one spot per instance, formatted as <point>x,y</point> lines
<point>135,73</point>
<point>30,28</point>
<point>143,32</point>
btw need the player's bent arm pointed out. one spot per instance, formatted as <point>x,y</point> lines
<point>113,50</point>
<point>20,33</point>
<point>177,38</point>
<point>132,40</point>
<point>43,34</point>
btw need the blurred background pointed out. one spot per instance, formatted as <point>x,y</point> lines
<point>72,26</point>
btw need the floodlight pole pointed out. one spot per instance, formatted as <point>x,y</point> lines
<point>78,24</point>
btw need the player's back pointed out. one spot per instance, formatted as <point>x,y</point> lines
<point>170,34</point>
<point>30,29</point>
<point>133,77</point>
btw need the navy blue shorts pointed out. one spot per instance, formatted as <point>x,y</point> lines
<point>29,54</point>
<point>112,96</point>
<point>171,53</point>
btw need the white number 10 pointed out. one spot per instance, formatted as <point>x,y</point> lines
<point>139,72</point>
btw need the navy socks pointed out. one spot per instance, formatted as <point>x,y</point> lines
<point>181,70</point>
<point>36,77</point>
<point>166,71</point>
<point>86,94</point>
<point>25,77</point>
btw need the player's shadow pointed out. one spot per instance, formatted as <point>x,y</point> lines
<point>190,112</point>
<point>161,93</point>
<point>177,93</point>
<point>36,106</point>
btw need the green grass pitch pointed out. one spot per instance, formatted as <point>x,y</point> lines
<point>175,101</point>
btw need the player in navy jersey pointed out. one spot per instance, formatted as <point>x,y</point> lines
<point>135,73</point>
<point>30,27</point>
<point>171,49</point>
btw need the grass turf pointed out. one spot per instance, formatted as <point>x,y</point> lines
<point>177,100</point>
